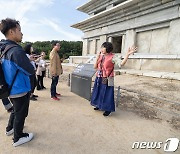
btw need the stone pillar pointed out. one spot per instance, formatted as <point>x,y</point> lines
<point>98,46</point>
<point>85,47</point>
<point>109,39</point>
<point>123,43</point>
<point>103,39</point>
<point>174,39</point>
<point>130,39</point>
<point>93,47</point>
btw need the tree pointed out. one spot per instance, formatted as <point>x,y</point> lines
<point>68,48</point>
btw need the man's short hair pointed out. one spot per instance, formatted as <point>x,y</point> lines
<point>7,24</point>
<point>54,43</point>
<point>108,46</point>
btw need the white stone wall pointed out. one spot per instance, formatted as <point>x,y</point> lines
<point>144,41</point>
<point>92,47</point>
<point>155,31</point>
<point>159,39</point>
<point>174,37</point>
<point>85,47</point>
<point>161,65</point>
<point>98,46</point>
<point>130,40</point>
<point>153,41</point>
<point>163,40</point>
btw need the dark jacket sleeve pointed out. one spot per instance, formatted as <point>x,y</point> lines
<point>22,61</point>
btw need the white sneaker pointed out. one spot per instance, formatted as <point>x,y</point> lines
<point>9,132</point>
<point>23,140</point>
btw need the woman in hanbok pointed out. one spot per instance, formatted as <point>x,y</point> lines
<point>103,91</point>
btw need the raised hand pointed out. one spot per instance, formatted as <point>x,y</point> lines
<point>131,50</point>
<point>98,55</point>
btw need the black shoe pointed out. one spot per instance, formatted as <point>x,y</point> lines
<point>106,113</point>
<point>96,108</point>
<point>38,88</point>
<point>33,99</point>
<point>34,95</point>
<point>43,87</point>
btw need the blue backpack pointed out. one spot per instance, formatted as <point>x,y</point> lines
<point>4,87</point>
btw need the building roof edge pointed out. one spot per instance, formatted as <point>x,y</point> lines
<point>120,6</point>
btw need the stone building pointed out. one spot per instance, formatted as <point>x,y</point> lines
<point>152,25</point>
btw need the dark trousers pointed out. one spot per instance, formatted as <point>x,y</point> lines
<point>7,104</point>
<point>18,116</point>
<point>40,84</point>
<point>33,81</point>
<point>53,85</point>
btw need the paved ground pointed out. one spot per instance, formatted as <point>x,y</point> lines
<point>71,126</point>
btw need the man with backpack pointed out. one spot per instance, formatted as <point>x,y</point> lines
<point>17,69</point>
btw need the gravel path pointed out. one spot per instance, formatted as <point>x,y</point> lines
<point>71,126</point>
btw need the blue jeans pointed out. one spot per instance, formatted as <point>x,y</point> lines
<point>53,85</point>
<point>7,104</point>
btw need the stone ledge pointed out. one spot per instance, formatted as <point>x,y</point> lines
<point>155,56</point>
<point>155,74</point>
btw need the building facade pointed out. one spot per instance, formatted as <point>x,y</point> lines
<point>151,25</point>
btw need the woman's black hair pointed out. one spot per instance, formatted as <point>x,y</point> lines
<point>7,24</point>
<point>108,46</point>
<point>27,48</point>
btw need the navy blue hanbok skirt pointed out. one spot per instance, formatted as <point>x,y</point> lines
<point>103,96</point>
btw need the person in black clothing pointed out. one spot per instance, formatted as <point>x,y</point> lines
<point>15,62</point>
<point>28,49</point>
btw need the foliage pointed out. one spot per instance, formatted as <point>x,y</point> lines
<point>68,48</point>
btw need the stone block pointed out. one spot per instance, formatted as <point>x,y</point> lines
<point>174,37</point>
<point>133,64</point>
<point>167,56</point>
<point>85,47</point>
<point>159,39</point>
<point>174,76</point>
<point>154,74</point>
<point>152,27</point>
<point>156,17</point>
<point>166,1</point>
<point>144,41</point>
<point>92,47</point>
<point>178,57</point>
<point>130,40</point>
<point>135,72</point>
<point>161,65</point>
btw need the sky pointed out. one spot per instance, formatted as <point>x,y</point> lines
<point>45,20</point>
